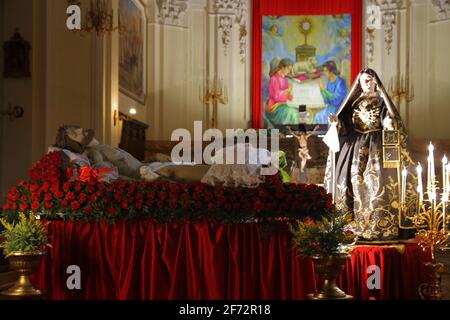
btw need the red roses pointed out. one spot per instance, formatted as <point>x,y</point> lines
<point>49,168</point>
<point>163,200</point>
<point>47,192</point>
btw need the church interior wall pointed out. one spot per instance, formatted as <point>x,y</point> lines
<point>15,158</point>
<point>187,49</point>
<point>419,46</point>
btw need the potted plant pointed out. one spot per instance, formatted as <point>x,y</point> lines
<point>24,244</point>
<point>327,242</point>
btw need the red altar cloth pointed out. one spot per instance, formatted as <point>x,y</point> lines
<point>206,260</point>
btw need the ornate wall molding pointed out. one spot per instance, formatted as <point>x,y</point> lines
<point>225,6</point>
<point>442,9</point>
<point>225,25</point>
<point>241,20</point>
<point>370,44</point>
<point>388,10</point>
<point>172,12</point>
<point>373,22</point>
<point>389,4</point>
<point>238,10</point>
<point>388,24</point>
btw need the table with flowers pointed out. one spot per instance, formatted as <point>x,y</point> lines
<point>165,240</point>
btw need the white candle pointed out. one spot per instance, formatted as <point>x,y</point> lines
<point>404,174</point>
<point>447,178</point>
<point>428,173</point>
<point>444,202</point>
<point>444,176</point>
<point>419,184</point>
<point>444,191</point>
<point>431,179</point>
<point>444,207</point>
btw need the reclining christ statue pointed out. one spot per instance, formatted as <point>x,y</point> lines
<point>80,146</point>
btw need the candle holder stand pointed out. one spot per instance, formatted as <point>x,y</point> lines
<point>431,222</point>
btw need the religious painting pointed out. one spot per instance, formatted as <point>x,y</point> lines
<point>306,64</point>
<point>132,50</point>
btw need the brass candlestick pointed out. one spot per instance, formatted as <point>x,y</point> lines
<point>431,222</point>
<point>99,17</point>
<point>400,88</point>
<point>432,236</point>
<point>214,92</point>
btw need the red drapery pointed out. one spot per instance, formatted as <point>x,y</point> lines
<point>206,260</point>
<point>299,7</point>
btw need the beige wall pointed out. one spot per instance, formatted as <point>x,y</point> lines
<point>16,135</point>
<point>74,81</point>
<point>68,73</point>
<point>420,47</point>
<point>126,103</point>
<point>182,52</point>
<point>439,85</point>
<point>58,93</point>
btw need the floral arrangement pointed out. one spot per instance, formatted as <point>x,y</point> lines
<point>329,235</point>
<point>50,168</point>
<point>51,193</point>
<point>28,235</point>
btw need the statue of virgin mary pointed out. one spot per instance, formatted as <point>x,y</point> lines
<point>364,175</point>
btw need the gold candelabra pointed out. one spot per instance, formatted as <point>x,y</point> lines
<point>99,17</point>
<point>213,92</point>
<point>401,88</point>
<point>431,221</point>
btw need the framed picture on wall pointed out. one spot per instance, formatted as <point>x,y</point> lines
<point>133,50</point>
<point>305,53</point>
<point>306,61</point>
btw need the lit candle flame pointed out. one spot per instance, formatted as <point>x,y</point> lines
<point>431,147</point>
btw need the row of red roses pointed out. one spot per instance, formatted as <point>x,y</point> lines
<point>123,198</point>
<point>49,191</point>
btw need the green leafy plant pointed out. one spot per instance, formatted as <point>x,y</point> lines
<point>27,235</point>
<point>330,235</point>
